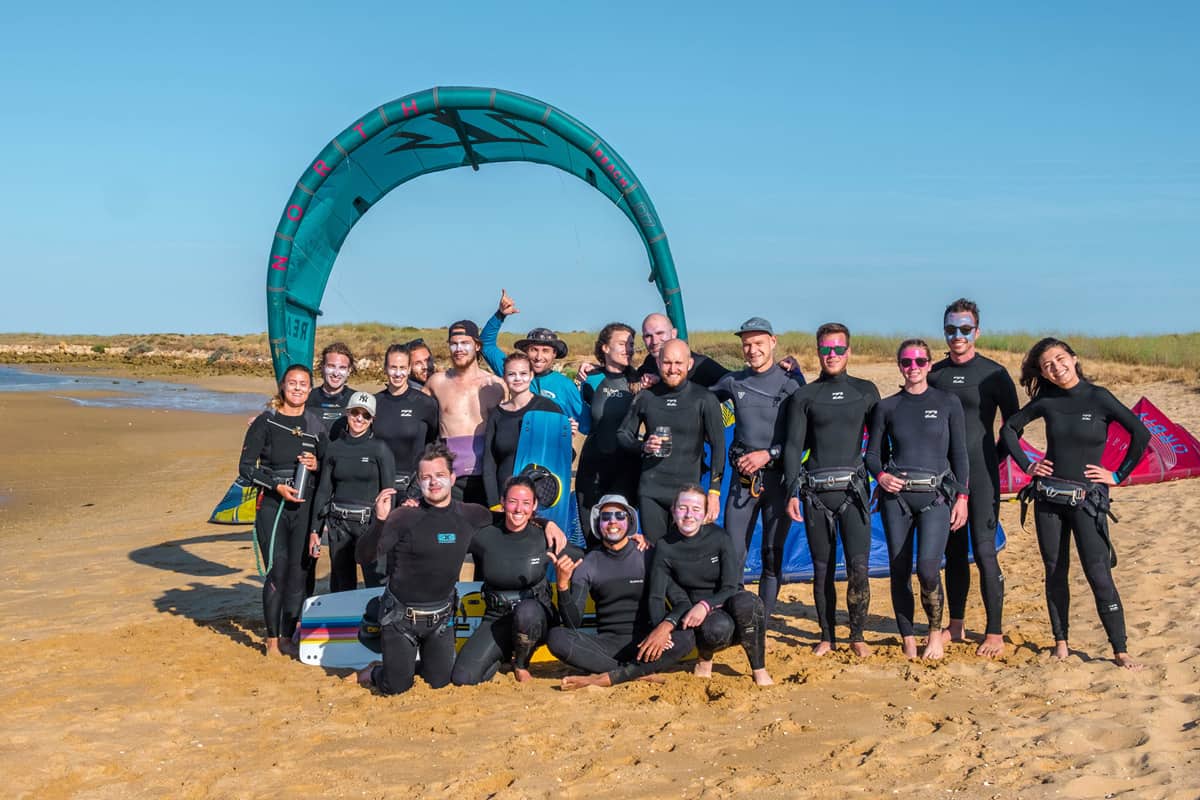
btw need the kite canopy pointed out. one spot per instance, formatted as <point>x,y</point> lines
<point>437,129</point>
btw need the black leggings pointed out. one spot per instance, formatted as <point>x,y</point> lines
<point>284,584</point>
<point>900,526</point>
<point>855,530</point>
<point>470,489</point>
<point>983,506</point>
<point>1055,523</point>
<point>501,637</point>
<point>402,640</point>
<point>342,535</point>
<point>742,620</point>
<point>614,474</point>
<point>741,511</point>
<point>654,512</point>
<point>615,653</point>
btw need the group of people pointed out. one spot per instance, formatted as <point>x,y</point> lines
<point>407,482</point>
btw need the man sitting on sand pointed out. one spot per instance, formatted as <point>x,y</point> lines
<point>615,578</point>
<point>466,395</point>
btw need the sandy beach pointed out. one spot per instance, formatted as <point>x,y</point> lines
<point>134,663</point>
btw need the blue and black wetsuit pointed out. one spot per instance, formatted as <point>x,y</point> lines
<point>353,472</point>
<point>983,387</point>
<point>915,436</point>
<point>616,582</point>
<point>827,418</point>
<point>501,437</point>
<point>273,443</point>
<point>759,400</point>
<point>604,466</point>
<point>705,567</point>
<point>1077,421</point>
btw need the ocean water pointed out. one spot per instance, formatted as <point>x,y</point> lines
<point>131,393</point>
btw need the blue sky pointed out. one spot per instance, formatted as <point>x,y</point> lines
<point>857,161</point>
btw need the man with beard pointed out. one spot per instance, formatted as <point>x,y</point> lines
<point>422,365</point>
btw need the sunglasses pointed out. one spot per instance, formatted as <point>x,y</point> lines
<point>609,516</point>
<point>908,362</point>
<point>962,330</point>
<point>358,412</point>
<point>835,349</point>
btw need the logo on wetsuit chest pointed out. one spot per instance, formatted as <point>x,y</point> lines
<point>633,581</point>
<point>365,459</point>
<point>535,560</point>
<point>741,395</point>
<point>838,396</point>
<point>672,402</point>
<point>613,392</point>
<point>406,412</point>
<point>715,560</point>
<point>547,393</point>
<point>959,379</point>
<point>1086,417</point>
<point>931,413</point>
<point>447,538</point>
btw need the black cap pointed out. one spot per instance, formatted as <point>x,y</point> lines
<point>544,336</point>
<point>464,327</point>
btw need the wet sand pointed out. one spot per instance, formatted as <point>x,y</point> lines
<point>134,669</point>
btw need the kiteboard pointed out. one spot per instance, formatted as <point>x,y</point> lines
<point>545,441</point>
<point>329,626</point>
<point>238,506</point>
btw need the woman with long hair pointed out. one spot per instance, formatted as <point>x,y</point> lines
<point>406,418</point>
<point>1070,487</point>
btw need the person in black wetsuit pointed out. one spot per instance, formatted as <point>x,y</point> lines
<point>983,387</point>
<point>918,454</point>
<point>657,330</point>
<point>604,466</point>
<point>827,417</point>
<point>698,557</point>
<point>329,399</point>
<point>510,559</point>
<point>503,431</point>
<point>759,394</point>
<point>614,576</point>
<point>679,418</point>
<point>406,418</point>
<point>278,442</point>
<point>1070,487</point>
<point>356,467</point>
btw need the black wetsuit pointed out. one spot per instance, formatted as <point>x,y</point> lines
<point>616,582</point>
<point>353,471</point>
<point>604,466</point>
<point>329,408</point>
<point>406,422</point>
<point>918,432</point>
<point>694,416</point>
<point>424,548</point>
<point>272,444</point>
<point>827,418</point>
<point>759,400</point>
<point>501,437</point>
<point>704,371</point>
<point>983,387</point>
<point>1077,422</point>
<point>518,605</point>
<point>704,566</point>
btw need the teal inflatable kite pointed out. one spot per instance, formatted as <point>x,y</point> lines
<point>437,129</point>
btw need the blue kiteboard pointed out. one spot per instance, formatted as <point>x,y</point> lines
<point>545,441</point>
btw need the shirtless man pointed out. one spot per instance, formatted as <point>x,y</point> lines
<point>466,395</point>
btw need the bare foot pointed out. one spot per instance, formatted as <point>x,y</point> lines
<point>1061,651</point>
<point>572,682</point>
<point>955,631</point>
<point>909,647</point>
<point>272,648</point>
<point>363,676</point>
<point>934,647</point>
<point>653,677</point>
<point>522,675</point>
<point>861,649</point>
<point>761,678</point>
<point>993,645</point>
<point>1126,661</point>
<point>703,669</point>
<point>821,648</point>
<point>288,647</point>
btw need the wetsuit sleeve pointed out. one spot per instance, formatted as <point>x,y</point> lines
<point>714,431</point>
<point>379,538</point>
<point>731,575</point>
<point>572,404</point>
<point>627,434</point>
<point>656,593</point>
<point>793,448</point>
<point>387,465</point>
<point>252,448</point>
<point>723,388</point>
<point>492,353</point>
<point>1139,436</point>
<point>572,602</point>
<point>960,461</point>
<point>491,485</point>
<point>324,492</point>
<point>877,432</point>
<point>1010,432</point>
<point>708,372</point>
<point>797,375</point>
<point>434,428</point>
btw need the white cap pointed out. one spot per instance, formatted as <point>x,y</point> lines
<point>362,400</point>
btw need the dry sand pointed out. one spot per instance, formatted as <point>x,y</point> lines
<point>133,665</point>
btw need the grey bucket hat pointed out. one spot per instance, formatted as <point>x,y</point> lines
<point>614,500</point>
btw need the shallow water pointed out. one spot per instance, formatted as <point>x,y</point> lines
<point>130,393</point>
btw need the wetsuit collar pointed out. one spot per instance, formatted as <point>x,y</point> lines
<point>841,377</point>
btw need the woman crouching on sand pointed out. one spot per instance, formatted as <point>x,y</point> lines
<point>282,447</point>
<point>1070,488</point>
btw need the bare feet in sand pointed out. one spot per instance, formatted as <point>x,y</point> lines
<point>954,632</point>
<point>522,675</point>
<point>821,648</point>
<point>1061,651</point>
<point>934,647</point>
<point>703,669</point>
<point>993,645</point>
<point>861,649</point>
<point>272,648</point>
<point>572,682</point>
<point>363,676</point>
<point>653,677</point>
<point>1126,661</point>
<point>909,647</point>
<point>289,648</point>
<point>761,678</point>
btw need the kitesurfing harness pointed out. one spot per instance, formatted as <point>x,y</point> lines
<point>851,480</point>
<point>1089,497</point>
